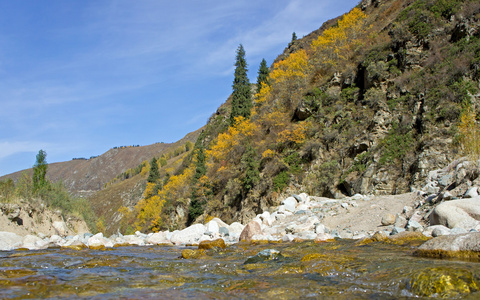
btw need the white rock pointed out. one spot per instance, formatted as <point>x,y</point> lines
<point>304,197</point>
<point>288,237</point>
<point>60,228</point>
<point>464,213</point>
<point>302,207</point>
<point>290,204</point>
<point>235,227</point>
<point>220,222</point>
<point>345,205</point>
<point>9,241</point>
<point>471,192</point>
<point>189,235</point>
<point>157,238</point>
<point>320,228</point>
<point>212,227</point>
<point>33,242</point>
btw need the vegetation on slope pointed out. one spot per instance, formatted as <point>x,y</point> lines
<point>368,104</point>
<point>37,188</point>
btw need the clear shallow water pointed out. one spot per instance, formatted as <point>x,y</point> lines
<point>339,270</point>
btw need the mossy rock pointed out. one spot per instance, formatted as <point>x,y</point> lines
<point>192,253</point>
<point>379,236</point>
<point>215,244</point>
<point>443,282</point>
<point>408,237</point>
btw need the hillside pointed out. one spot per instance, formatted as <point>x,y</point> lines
<point>86,176</point>
<point>369,103</point>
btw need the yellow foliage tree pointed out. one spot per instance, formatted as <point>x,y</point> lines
<point>338,43</point>
<point>469,134</point>
<point>241,130</point>
<point>295,135</point>
<point>264,94</point>
<point>292,69</point>
<point>149,209</point>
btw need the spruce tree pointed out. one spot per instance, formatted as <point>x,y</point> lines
<point>40,171</point>
<point>154,174</point>
<point>263,72</point>
<point>242,95</point>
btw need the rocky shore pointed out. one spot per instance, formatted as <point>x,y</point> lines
<point>448,205</point>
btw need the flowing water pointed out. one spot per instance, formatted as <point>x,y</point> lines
<point>335,270</point>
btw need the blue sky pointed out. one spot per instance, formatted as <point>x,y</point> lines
<point>80,77</point>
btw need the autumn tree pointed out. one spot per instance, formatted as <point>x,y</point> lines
<point>40,171</point>
<point>242,95</point>
<point>262,78</point>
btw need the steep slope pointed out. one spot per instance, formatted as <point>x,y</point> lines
<point>369,103</point>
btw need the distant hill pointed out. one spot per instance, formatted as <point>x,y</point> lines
<point>84,177</point>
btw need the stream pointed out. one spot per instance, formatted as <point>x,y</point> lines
<point>342,269</point>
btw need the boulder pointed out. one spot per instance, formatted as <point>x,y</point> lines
<point>235,228</point>
<point>189,235</point>
<point>464,213</point>
<point>252,228</point>
<point>33,242</point>
<point>461,242</point>
<point>219,222</point>
<point>471,192</point>
<point>9,241</point>
<point>290,204</point>
<point>157,238</point>
<point>388,219</point>
<point>60,228</point>
<point>212,228</point>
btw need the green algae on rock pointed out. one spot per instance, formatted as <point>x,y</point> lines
<point>443,282</point>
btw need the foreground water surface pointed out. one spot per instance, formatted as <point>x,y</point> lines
<point>342,270</point>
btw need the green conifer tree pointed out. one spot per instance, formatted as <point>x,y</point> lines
<point>40,171</point>
<point>154,174</point>
<point>242,95</point>
<point>263,72</point>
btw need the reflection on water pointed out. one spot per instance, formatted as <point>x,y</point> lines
<point>340,270</point>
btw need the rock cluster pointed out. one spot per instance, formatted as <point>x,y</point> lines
<point>448,204</point>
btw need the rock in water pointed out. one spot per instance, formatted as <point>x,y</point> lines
<point>215,244</point>
<point>461,245</point>
<point>264,255</point>
<point>9,241</point>
<point>252,228</point>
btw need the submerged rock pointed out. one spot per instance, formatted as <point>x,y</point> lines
<point>443,282</point>
<point>264,255</point>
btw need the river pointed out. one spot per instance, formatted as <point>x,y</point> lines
<point>342,269</point>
